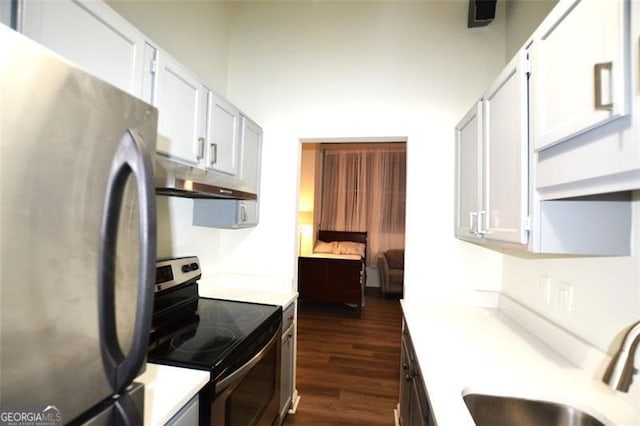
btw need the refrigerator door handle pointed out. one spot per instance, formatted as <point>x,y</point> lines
<point>130,159</point>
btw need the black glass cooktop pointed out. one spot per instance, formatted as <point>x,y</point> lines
<point>211,334</point>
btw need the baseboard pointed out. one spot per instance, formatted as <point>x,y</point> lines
<point>295,400</point>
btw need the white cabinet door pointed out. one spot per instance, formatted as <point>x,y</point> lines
<point>579,76</point>
<point>223,136</point>
<point>505,180</point>
<point>251,154</point>
<point>231,214</point>
<point>149,69</point>
<point>181,100</point>
<point>287,368</point>
<point>6,12</point>
<point>247,213</point>
<point>188,415</point>
<point>468,173</point>
<point>89,34</point>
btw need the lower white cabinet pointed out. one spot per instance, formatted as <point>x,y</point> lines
<point>188,415</point>
<point>287,369</point>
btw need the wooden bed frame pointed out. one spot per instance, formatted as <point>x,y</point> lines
<point>324,280</point>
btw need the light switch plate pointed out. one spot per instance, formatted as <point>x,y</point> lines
<point>544,289</point>
<point>565,297</point>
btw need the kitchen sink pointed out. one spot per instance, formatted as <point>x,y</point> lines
<point>492,410</point>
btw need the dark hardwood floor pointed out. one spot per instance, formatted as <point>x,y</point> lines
<point>348,368</point>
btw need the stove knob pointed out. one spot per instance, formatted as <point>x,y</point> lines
<point>194,267</point>
<point>186,268</point>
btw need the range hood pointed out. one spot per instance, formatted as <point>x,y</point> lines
<point>179,180</point>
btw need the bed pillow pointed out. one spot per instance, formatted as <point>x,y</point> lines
<point>326,247</point>
<point>351,247</point>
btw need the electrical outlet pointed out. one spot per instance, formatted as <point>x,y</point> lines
<point>544,289</point>
<point>565,297</point>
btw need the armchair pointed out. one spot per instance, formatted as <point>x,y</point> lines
<point>391,269</point>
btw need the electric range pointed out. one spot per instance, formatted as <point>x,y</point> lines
<point>237,342</point>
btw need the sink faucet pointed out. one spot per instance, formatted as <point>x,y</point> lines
<point>619,373</point>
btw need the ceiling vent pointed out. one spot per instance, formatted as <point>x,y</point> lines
<point>481,13</point>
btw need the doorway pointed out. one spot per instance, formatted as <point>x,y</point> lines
<point>370,175</point>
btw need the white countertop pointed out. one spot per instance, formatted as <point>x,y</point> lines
<point>239,288</point>
<point>464,349</point>
<point>167,389</point>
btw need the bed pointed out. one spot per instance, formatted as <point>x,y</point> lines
<point>335,272</point>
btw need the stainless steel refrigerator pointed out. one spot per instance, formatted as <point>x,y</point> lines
<point>78,236</point>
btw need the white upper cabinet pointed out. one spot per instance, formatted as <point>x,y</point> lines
<point>491,162</point>
<point>236,214</point>
<point>89,34</point>
<point>605,157</point>
<point>468,200</point>
<point>251,142</point>
<point>182,103</point>
<point>196,128</point>
<point>223,136</point>
<point>497,200</point>
<point>505,186</point>
<point>579,74</point>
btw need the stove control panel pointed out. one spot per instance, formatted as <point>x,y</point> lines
<point>174,272</point>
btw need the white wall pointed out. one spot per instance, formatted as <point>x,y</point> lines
<point>194,32</point>
<point>522,18</point>
<point>606,289</point>
<point>359,69</point>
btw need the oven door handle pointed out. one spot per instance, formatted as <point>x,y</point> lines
<point>242,371</point>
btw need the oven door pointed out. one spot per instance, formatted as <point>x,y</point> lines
<point>251,394</point>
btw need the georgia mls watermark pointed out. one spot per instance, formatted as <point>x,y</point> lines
<point>37,415</point>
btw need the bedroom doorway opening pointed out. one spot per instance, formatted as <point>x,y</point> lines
<point>356,185</point>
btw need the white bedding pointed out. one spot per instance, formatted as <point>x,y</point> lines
<point>336,256</point>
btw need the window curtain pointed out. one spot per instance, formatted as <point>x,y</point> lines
<point>363,189</point>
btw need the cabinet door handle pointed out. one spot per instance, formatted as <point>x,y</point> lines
<point>200,151</point>
<point>471,216</point>
<point>481,225</point>
<point>243,213</point>
<point>214,153</point>
<point>598,70</point>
